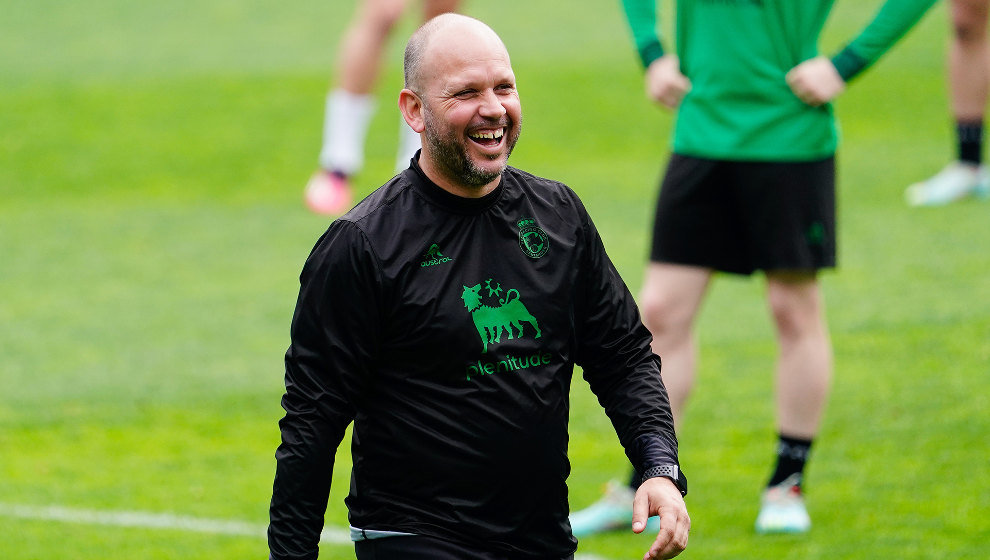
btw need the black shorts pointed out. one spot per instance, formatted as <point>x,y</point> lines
<point>419,547</point>
<point>743,216</point>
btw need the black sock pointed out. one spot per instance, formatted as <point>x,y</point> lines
<point>969,135</point>
<point>792,454</point>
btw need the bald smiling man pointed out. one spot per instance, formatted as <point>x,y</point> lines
<point>443,316</point>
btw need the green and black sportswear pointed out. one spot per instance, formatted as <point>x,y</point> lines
<point>447,330</point>
<point>737,53</point>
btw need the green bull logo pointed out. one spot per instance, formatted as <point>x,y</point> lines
<point>490,321</point>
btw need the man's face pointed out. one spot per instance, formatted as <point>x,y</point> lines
<point>471,112</point>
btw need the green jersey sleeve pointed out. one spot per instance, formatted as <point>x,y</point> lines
<point>642,18</point>
<point>891,22</point>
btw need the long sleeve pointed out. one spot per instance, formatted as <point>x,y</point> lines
<point>327,368</point>
<point>618,362</point>
<point>641,15</point>
<point>893,20</point>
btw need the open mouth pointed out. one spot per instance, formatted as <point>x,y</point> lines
<point>488,138</point>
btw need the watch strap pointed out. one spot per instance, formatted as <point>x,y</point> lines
<point>673,472</point>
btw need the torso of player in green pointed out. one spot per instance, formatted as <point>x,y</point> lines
<point>737,53</point>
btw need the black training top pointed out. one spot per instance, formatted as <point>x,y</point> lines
<point>447,329</point>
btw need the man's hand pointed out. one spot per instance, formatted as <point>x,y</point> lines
<point>659,496</point>
<point>664,82</point>
<point>815,81</point>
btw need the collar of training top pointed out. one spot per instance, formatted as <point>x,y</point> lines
<point>449,201</point>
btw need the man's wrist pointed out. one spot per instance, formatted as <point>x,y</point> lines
<point>650,52</point>
<point>668,471</point>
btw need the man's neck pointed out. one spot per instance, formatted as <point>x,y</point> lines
<point>457,189</point>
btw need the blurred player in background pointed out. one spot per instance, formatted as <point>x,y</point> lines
<point>969,82</point>
<point>750,186</point>
<point>351,104</point>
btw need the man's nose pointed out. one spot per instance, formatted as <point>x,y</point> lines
<point>491,105</point>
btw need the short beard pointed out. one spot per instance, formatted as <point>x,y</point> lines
<point>452,156</point>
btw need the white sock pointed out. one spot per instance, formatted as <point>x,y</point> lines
<point>345,126</point>
<point>409,142</point>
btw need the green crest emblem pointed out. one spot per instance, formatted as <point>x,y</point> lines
<point>533,241</point>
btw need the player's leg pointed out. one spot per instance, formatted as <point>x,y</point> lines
<point>669,302</point>
<point>696,231</point>
<point>791,210</point>
<point>433,8</point>
<point>409,140</point>
<point>350,104</point>
<point>969,86</point>
<point>969,81</point>
<point>804,365</point>
<point>361,49</point>
<point>969,59</point>
<point>803,378</point>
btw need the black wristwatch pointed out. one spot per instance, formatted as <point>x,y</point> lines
<point>668,471</point>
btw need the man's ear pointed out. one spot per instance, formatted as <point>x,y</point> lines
<point>412,110</point>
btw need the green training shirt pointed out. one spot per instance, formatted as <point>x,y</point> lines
<point>736,54</point>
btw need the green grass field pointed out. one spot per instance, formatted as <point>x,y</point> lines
<point>152,158</point>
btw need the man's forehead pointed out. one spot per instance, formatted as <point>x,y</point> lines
<point>465,71</point>
<point>463,51</point>
<point>466,43</point>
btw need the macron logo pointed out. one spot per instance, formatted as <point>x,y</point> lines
<point>433,257</point>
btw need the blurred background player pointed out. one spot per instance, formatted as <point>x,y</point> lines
<point>750,186</point>
<point>351,104</point>
<point>969,81</point>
